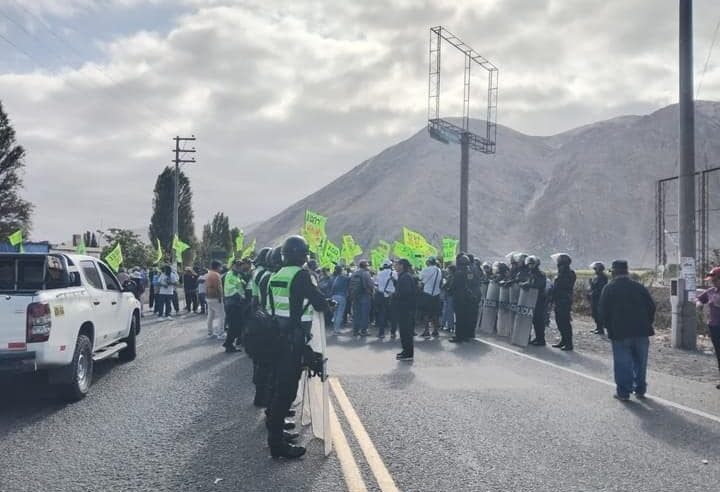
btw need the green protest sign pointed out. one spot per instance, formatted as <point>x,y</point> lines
<point>449,249</point>
<point>114,258</point>
<point>314,229</point>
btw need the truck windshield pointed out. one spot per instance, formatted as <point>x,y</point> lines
<point>32,273</point>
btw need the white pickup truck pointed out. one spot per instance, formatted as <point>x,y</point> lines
<point>61,313</point>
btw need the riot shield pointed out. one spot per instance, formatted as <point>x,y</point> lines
<point>514,296</point>
<point>504,322</point>
<point>524,318</point>
<point>490,309</point>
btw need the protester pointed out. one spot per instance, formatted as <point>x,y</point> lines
<point>214,295</point>
<point>597,283</point>
<point>339,294</point>
<point>711,297</point>
<point>190,286</point>
<point>430,305</point>
<point>325,285</point>
<point>361,290</point>
<point>168,281</point>
<point>404,301</point>
<point>385,288</point>
<point>448,312</point>
<point>202,291</point>
<point>627,310</point>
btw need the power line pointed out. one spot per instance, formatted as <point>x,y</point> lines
<point>707,60</point>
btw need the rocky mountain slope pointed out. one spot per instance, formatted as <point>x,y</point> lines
<point>589,191</point>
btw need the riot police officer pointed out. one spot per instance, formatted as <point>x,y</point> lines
<point>562,298</point>
<point>536,279</point>
<point>597,283</point>
<point>292,296</point>
<point>464,300</point>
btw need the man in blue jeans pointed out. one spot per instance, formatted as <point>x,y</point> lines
<point>339,291</point>
<point>361,291</point>
<point>627,311</point>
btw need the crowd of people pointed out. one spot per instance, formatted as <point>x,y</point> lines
<point>286,285</point>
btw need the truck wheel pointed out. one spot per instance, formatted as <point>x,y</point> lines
<point>130,352</point>
<point>79,372</point>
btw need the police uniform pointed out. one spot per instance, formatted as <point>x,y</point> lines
<point>292,297</point>
<point>234,288</point>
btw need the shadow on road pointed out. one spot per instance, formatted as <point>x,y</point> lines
<point>674,428</point>
<point>234,442</point>
<point>27,399</point>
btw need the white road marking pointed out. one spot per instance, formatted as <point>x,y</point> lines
<point>382,475</point>
<point>658,399</point>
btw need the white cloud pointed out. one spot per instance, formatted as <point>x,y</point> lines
<point>287,95</point>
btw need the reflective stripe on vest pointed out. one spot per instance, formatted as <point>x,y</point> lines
<point>279,284</point>
<point>257,275</point>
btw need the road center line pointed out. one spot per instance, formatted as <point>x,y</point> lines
<point>665,402</point>
<point>382,475</point>
<point>349,466</point>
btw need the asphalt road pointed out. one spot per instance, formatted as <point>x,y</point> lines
<point>471,417</point>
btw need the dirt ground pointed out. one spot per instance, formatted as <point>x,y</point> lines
<point>700,365</point>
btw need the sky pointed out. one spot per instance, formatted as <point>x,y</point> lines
<point>286,96</point>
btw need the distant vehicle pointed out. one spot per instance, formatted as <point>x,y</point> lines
<point>61,313</point>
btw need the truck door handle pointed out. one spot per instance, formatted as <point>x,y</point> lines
<point>96,303</point>
<point>114,302</point>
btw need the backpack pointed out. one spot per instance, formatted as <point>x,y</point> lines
<point>357,287</point>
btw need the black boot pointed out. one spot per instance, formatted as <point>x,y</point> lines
<point>286,450</point>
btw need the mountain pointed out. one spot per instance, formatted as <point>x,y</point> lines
<point>589,191</point>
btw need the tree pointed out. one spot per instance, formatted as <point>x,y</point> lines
<point>135,253</point>
<point>161,222</point>
<point>15,212</point>
<point>217,237</point>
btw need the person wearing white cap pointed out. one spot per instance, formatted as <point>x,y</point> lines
<point>385,288</point>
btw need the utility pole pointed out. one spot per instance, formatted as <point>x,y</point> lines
<point>685,328</point>
<point>176,195</point>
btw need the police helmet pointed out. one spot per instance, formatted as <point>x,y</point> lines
<point>262,258</point>
<point>598,266</point>
<point>487,268</point>
<point>295,251</point>
<point>462,260</point>
<point>275,259</point>
<point>520,258</point>
<point>532,261</point>
<point>561,259</point>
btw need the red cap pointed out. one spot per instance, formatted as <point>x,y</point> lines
<point>714,273</point>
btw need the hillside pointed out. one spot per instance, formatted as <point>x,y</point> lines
<point>589,191</point>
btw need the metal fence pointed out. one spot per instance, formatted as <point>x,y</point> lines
<point>707,220</point>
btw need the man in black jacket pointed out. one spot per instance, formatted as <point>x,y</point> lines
<point>562,298</point>
<point>404,301</point>
<point>627,312</point>
<point>597,283</point>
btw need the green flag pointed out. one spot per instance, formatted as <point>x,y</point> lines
<point>179,246</point>
<point>402,250</point>
<point>240,241</point>
<point>376,258</point>
<point>449,246</point>
<point>80,248</point>
<point>350,249</point>
<point>16,239</point>
<point>314,229</point>
<point>249,250</point>
<point>330,254</point>
<point>159,256</point>
<point>114,258</point>
<point>384,247</point>
<point>231,260</point>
